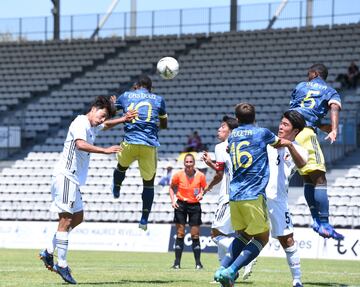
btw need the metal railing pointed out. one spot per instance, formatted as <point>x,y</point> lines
<point>181,21</point>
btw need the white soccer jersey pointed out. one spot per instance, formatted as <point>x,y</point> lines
<point>74,163</point>
<point>223,162</point>
<point>282,168</point>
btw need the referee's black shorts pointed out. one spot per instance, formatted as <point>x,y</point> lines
<point>188,210</point>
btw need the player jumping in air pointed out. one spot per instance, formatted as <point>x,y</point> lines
<point>141,140</point>
<point>312,100</point>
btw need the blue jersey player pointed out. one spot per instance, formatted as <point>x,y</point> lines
<point>141,140</point>
<point>248,154</point>
<point>313,99</point>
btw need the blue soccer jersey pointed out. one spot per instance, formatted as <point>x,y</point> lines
<point>312,100</point>
<point>144,128</point>
<point>248,154</point>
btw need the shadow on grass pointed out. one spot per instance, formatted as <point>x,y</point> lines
<point>327,284</point>
<point>122,282</point>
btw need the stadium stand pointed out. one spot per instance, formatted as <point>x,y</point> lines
<point>216,72</point>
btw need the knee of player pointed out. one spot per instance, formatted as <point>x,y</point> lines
<point>180,234</point>
<point>149,183</point>
<point>65,224</point>
<point>215,232</point>
<point>286,241</point>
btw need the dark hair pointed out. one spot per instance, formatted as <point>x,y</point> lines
<point>296,119</point>
<point>102,102</point>
<point>144,82</point>
<point>231,122</point>
<point>320,69</point>
<point>245,113</point>
<point>189,154</point>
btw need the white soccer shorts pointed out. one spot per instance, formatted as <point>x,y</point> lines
<point>66,196</point>
<point>222,220</point>
<point>280,218</point>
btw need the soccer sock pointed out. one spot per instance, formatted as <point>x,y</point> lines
<point>322,202</point>
<point>179,246</point>
<point>118,176</point>
<point>147,198</point>
<point>309,190</point>
<point>62,247</point>
<point>236,246</point>
<point>293,259</point>
<point>248,254</point>
<point>51,247</point>
<point>223,242</point>
<point>196,249</point>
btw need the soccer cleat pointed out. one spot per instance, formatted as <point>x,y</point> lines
<point>327,231</point>
<point>47,258</point>
<point>227,278</point>
<point>217,273</point>
<point>199,266</point>
<point>143,224</point>
<point>248,269</point>
<point>115,190</point>
<point>65,274</point>
<point>176,266</point>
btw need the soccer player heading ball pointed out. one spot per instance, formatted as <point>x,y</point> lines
<point>312,100</point>
<point>141,140</point>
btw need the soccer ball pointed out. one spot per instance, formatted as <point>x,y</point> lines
<point>168,68</point>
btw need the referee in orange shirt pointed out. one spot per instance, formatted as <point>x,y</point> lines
<point>189,185</point>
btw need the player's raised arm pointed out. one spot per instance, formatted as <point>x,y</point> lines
<point>128,117</point>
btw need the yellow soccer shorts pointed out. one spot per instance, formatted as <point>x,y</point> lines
<point>308,140</point>
<point>145,155</point>
<point>250,216</point>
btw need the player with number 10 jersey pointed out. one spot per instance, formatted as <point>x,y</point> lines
<point>141,140</point>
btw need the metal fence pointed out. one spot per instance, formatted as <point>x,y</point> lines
<point>182,21</point>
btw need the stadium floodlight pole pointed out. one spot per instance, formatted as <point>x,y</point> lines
<point>277,13</point>
<point>104,19</point>
<point>233,15</point>
<point>56,14</point>
<point>133,18</point>
<point>309,12</point>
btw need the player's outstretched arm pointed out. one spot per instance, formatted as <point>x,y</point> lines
<point>129,116</point>
<point>334,117</point>
<point>299,159</point>
<point>85,146</point>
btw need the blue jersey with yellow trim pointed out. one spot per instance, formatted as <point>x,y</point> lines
<point>144,128</point>
<point>248,153</point>
<point>312,100</point>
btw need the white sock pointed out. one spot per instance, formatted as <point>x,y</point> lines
<point>293,260</point>
<point>62,247</point>
<point>51,247</point>
<point>223,242</point>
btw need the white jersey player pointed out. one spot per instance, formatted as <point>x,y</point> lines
<point>70,174</point>
<point>283,163</point>
<point>221,230</point>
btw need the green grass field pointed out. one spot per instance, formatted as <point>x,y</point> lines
<point>23,268</point>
